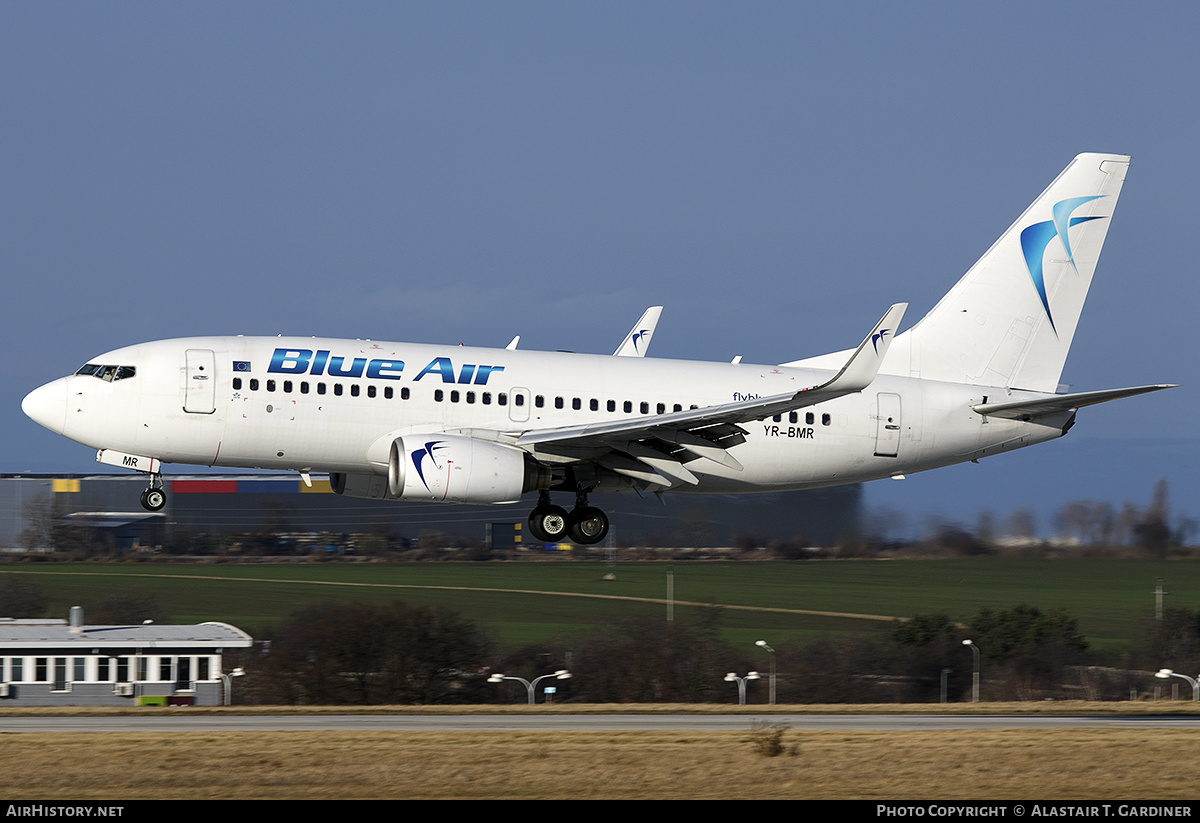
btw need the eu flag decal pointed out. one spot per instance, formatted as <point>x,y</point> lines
<point>241,365</point>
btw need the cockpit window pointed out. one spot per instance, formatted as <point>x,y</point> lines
<point>108,373</point>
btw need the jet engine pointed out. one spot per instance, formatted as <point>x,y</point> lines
<point>448,468</point>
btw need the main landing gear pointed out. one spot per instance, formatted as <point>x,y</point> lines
<point>584,524</point>
<point>154,498</point>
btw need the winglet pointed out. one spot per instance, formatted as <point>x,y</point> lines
<point>864,364</point>
<point>638,339</point>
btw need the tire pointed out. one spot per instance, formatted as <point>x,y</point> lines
<point>153,499</point>
<point>588,525</point>
<point>548,524</point>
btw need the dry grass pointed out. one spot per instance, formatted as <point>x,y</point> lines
<point>1091,764</point>
<point>1181,708</point>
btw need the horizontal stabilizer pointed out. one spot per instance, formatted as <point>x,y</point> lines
<point>1024,409</point>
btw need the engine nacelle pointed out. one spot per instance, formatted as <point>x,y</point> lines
<point>455,469</point>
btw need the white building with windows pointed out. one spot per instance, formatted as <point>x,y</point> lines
<point>65,663</point>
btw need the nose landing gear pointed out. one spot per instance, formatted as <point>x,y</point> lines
<point>154,498</point>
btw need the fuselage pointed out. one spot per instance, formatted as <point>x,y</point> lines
<point>310,404</point>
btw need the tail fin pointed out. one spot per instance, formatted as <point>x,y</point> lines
<point>1010,320</point>
<point>638,339</point>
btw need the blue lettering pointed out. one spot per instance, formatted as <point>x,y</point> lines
<point>355,370</point>
<point>290,361</point>
<point>385,369</point>
<point>318,366</point>
<point>440,365</point>
<point>484,372</point>
<point>305,361</point>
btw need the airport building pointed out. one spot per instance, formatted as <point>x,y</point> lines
<point>66,663</point>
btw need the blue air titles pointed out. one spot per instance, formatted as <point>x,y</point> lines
<point>315,364</point>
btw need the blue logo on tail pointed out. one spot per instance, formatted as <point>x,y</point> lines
<point>1035,239</point>
<point>878,337</point>
<point>637,337</point>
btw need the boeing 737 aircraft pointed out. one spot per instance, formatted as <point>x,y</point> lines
<point>401,421</point>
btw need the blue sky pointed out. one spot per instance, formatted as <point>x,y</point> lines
<point>775,174</point>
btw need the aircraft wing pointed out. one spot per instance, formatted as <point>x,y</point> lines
<point>1027,409</point>
<point>655,447</point>
<point>638,339</point>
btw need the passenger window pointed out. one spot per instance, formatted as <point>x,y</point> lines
<point>287,386</point>
<point>337,389</point>
<point>612,405</point>
<point>662,408</point>
<point>454,395</point>
<point>270,385</point>
<point>576,404</point>
<point>502,399</point>
<point>470,397</point>
<point>404,394</point>
<point>826,420</point>
<point>253,384</point>
<point>558,402</point>
<point>354,389</point>
<point>539,401</point>
<point>438,395</point>
<point>628,406</point>
<point>370,391</point>
<point>645,407</point>
<point>677,407</point>
<point>387,392</point>
<point>594,405</point>
<point>237,382</point>
<point>487,398</point>
<point>320,388</point>
<point>304,387</point>
<point>809,418</point>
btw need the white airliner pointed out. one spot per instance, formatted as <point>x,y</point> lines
<point>401,421</point>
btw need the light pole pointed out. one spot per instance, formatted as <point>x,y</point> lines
<point>1165,673</point>
<point>771,676</point>
<point>975,676</point>
<point>561,674</point>
<point>741,681</point>
<point>228,681</point>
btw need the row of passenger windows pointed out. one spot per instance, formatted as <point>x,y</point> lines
<point>485,398</point>
<point>62,670</point>
<point>322,388</point>
<point>500,398</point>
<point>809,418</point>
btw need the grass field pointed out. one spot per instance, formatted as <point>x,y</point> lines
<point>525,602</point>
<point>1091,765</point>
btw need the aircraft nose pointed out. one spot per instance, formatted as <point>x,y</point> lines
<point>47,405</point>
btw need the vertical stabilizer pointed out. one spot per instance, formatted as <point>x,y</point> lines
<point>1010,320</point>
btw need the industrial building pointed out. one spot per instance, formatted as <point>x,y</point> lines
<point>66,663</point>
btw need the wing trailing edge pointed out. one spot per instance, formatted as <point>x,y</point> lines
<point>653,448</point>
